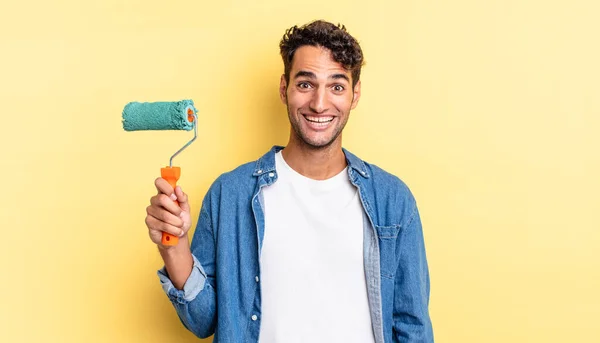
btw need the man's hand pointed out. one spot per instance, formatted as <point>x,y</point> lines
<point>165,215</point>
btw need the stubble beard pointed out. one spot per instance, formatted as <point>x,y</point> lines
<point>305,141</point>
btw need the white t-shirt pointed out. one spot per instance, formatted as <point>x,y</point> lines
<point>312,272</point>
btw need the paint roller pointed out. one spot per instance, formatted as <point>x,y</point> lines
<point>179,115</point>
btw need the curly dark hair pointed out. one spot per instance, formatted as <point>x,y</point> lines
<point>344,48</point>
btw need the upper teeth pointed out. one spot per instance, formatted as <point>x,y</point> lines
<point>319,119</point>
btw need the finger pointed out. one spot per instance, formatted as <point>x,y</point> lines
<point>157,225</point>
<point>163,187</point>
<point>164,216</point>
<point>183,199</point>
<point>155,235</point>
<point>161,200</point>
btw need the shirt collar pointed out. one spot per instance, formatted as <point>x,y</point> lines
<point>266,163</point>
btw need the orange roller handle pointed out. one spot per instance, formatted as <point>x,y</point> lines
<point>171,174</point>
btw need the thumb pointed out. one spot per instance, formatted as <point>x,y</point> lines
<point>182,198</point>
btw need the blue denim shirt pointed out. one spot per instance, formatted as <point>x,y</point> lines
<point>222,294</point>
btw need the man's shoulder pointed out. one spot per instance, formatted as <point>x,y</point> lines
<point>250,170</point>
<point>387,188</point>
<point>238,178</point>
<point>383,177</point>
<point>379,177</point>
<point>243,171</point>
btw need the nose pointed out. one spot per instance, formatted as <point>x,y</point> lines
<point>319,101</point>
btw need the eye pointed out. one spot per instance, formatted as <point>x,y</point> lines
<point>338,88</point>
<point>304,85</point>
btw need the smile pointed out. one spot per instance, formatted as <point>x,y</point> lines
<point>313,119</point>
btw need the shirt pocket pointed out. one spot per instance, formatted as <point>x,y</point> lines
<point>387,249</point>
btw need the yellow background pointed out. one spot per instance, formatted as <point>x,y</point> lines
<point>489,110</point>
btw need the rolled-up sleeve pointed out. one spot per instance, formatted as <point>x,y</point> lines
<point>191,288</point>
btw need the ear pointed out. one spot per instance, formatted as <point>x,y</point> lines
<point>283,90</point>
<point>356,94</point>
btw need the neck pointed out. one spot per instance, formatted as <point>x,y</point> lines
<point>315,163</point>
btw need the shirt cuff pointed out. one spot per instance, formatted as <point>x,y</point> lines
<point>193,285</point>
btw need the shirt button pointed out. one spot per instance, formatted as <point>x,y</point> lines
<point>254,317</point>
<point>256,278</point>
<point>259,171</point>
<point>271,174</point>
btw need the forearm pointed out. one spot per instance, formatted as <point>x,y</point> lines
<point>178,261</point>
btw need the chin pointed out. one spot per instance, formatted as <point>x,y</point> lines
<point>318,144</point>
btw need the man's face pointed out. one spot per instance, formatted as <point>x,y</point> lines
<point>319,97</point>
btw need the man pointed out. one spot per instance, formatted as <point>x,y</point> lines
<point>308,243</point>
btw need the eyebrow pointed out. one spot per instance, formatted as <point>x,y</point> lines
<point>311,75</point>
